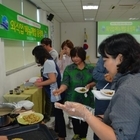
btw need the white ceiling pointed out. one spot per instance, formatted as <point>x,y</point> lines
<point>71,10</point>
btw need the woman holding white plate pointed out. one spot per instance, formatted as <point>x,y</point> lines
<point>78,74</point>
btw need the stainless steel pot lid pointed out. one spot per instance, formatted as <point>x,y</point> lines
<point>5,111</point>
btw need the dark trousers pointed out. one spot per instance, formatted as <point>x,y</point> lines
<point>49,109</point>
<point>60,127</point>
<point>47,105</point>
<point>80,128</point>
<point>100,108</point>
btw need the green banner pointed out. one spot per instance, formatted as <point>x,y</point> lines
<point>16,26</point>
<point>113,27</point>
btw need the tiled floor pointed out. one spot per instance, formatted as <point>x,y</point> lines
<point>70,131</point>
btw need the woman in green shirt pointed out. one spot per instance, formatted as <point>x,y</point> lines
<point>78,74</point>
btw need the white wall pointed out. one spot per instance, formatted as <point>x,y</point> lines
<point>54,29</point>
<point>75,33</point>
<point>61,32</point>
<point>10,82</point>
<point>57,35</point>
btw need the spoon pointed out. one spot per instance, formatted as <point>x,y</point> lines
<point>85,94</point>
<point>105,86</point>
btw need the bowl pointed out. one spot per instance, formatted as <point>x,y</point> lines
<point>28,107</point>
<point>26,104</point>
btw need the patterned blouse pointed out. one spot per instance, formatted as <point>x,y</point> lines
<point>74,77</point>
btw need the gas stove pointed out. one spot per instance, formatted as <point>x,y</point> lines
<point>12,124</point>
<point>12,128</point>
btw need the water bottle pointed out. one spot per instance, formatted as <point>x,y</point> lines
<point>55,98</point>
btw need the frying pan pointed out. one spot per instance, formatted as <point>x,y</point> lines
<point>6,112</point>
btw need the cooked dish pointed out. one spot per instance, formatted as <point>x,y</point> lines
<point>110,93</point>
<point>17,139</point>
<point>82,89</point>
<point>31,118</point>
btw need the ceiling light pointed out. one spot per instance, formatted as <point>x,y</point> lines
<point>133,18</point>
<point>90,7</point>
<point>89,18</point>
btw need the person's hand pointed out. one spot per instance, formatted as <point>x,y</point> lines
<point>90,85</point>
<point>38,84</point>
<point>62,52</point>
<point>74,109</point>
<point>3,138</point>
<point>108,77</point>
<point>87,86</point>
<point>57,92</point>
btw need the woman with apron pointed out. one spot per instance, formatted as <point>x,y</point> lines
<point>51,81</point>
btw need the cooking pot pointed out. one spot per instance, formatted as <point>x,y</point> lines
<point>6,113</point>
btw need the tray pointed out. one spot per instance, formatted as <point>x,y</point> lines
<point>30,132</point>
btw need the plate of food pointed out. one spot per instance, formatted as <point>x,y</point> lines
<point>29,118</point>
<point>17,139</point>
<point>81,89</point>
<point>107,92</point>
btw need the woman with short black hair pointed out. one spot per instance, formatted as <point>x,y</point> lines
<point>121,121</point>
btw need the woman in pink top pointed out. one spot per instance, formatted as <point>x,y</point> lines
<point>65,60</point>
<point>64,56</point>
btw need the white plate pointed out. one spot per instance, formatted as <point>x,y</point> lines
<point>33,118</point>
<point>33,79</point>
<point>100,96</point>
<point>107,92</point>
<point>79,89</point>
